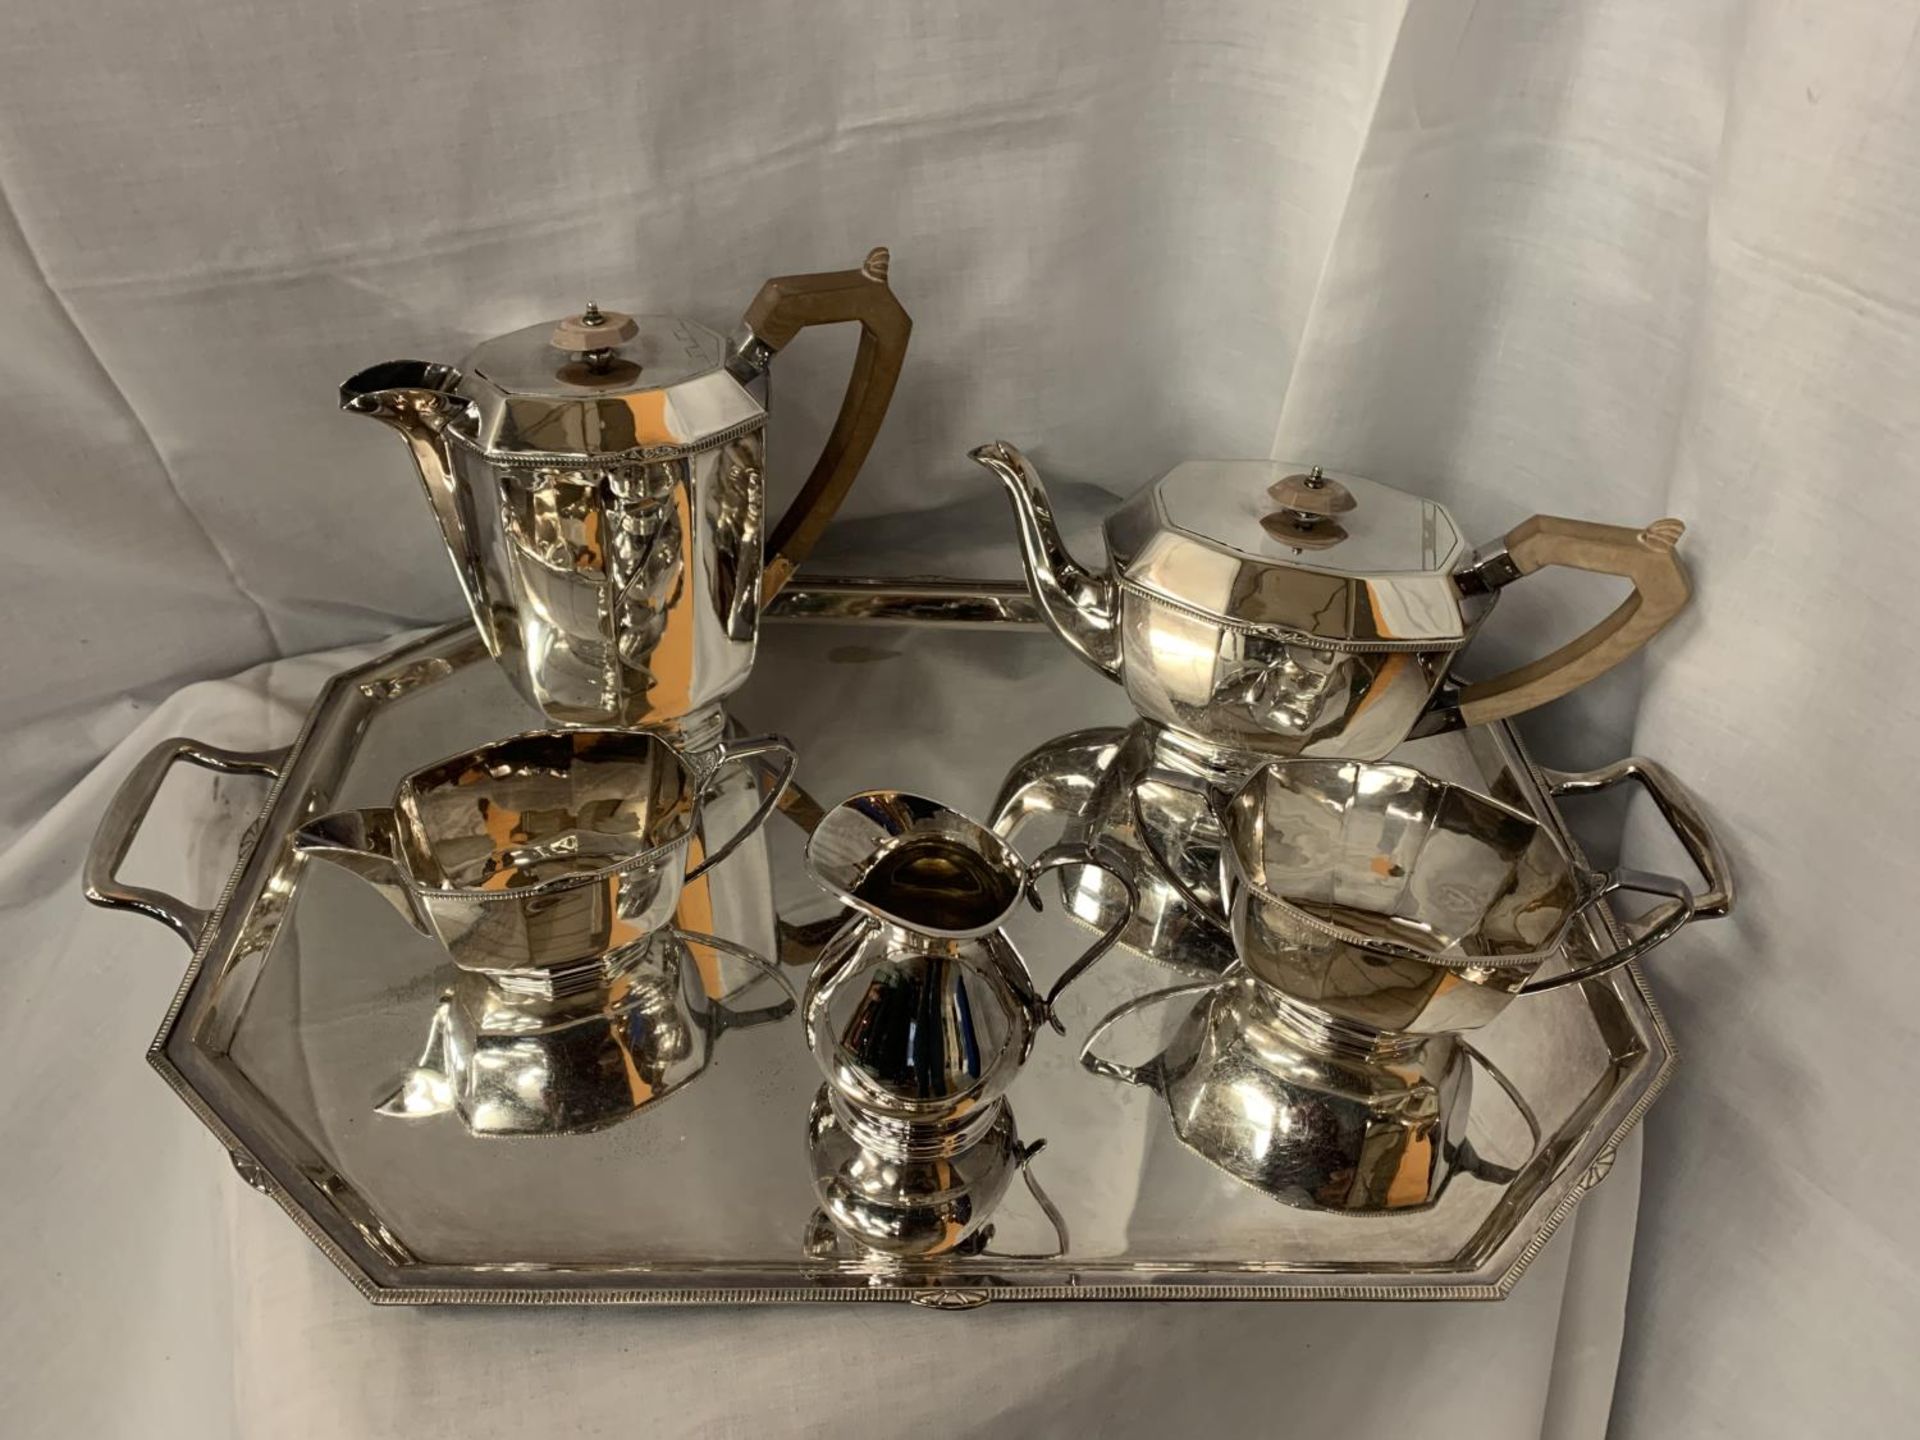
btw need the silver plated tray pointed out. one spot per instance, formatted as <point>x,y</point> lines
<point>307,997</point>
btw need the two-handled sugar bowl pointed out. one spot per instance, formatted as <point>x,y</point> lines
<point>540,860</point>
<point>1387,899</point>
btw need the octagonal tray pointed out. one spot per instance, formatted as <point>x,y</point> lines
<point>307,997</point>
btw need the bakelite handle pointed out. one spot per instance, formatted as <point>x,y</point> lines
<point>1660,591</point>
<point>783,308</point>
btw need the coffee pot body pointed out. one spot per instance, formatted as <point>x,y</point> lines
<point>600,487</point>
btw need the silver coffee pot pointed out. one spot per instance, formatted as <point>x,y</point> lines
<point>1264,611</point>
<point>599,483</point>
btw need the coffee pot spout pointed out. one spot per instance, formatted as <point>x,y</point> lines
<point>420,399</point>
<point>365,843</point>
<point>1081,605</point>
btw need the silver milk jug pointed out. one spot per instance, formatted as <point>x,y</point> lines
<point>599,483</point>
<point>920,1011</point>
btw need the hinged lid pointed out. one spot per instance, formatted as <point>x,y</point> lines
<point>1266,545</point>
<point>656,384</point>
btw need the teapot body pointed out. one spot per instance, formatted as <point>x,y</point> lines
<point>1264,692</point>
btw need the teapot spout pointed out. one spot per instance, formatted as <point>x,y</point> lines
<point>364,842</point>
<point>1082,606</point>
<point>421,400</point>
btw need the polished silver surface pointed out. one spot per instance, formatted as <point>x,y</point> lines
<point>884,1206</point>
<point>1094,786</point>
<point>616,577</point>
<point>511,1063</point>
<point>1386,898</point>
<point>605,506</point>
<point>540,861</point>
<point>929,601</point>
<point>306,998</point>
<point>1314,1118</point>
<point>920,1010</point>
<point>1227,614</point>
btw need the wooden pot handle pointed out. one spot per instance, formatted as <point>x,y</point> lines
<point>784,307</point>
<point>1660,591</point>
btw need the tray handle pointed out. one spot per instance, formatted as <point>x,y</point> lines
<point>127,812</point>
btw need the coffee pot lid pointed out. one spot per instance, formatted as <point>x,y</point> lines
<point>602,383</point>
<point>1269,545</point>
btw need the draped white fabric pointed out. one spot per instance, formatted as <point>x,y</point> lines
<point>1613,259</point>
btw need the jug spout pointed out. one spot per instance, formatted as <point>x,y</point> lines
<point>364,842</point>
<point>421,400</point>
<point>1081,605</point>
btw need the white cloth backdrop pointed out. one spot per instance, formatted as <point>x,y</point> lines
<point>1614,260</point>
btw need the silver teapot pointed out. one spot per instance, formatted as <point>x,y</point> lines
<point>599,483</point>
<point>1264,611</point>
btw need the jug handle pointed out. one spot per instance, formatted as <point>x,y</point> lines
<point>726,1017</point>
<point>1646,557</point>
<point>784,307</point>
<point>1177,781</point>
<point>1102,858</point>
<point>1689,823</point>
<point>1114,1069</point>
<point>127,812</point>
<point>1477,1164</point>
<point>734,750</point>
<point>1023,1156</point>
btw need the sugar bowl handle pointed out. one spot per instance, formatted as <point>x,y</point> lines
<point>738,750</point>
<point>128,811</point>
<point>1689,823</point>
<point>1646,557</point>
<point>783,308</point>
<point>1133,1074</point>
<point>1482,1168</point>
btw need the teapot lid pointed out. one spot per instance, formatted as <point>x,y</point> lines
<point>1268,545</point>
<point>601,383</point>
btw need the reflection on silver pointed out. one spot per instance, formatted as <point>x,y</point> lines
<point>541,860</point>
<point>890,1201</point>
<point>599,487</point>
<point>516,1064</point>
<point>254,1043</point>
<point>1387,899</point>
<point>1094,784</point>
<point>1279,632</point>
<point>920,1011</point>
<point>1301,1111</point>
